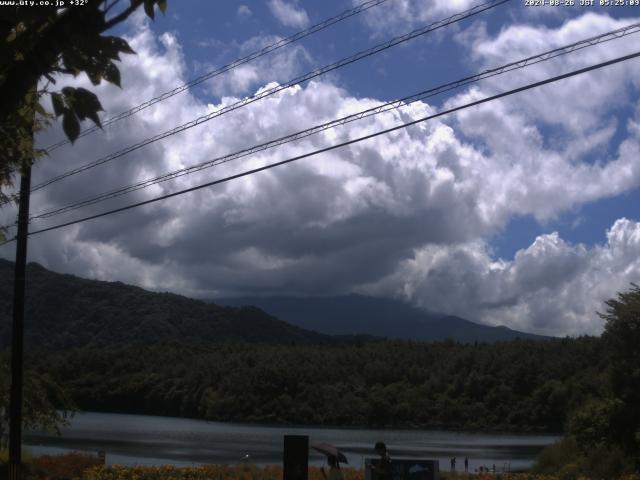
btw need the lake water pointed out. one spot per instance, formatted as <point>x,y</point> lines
<point>147,440</point>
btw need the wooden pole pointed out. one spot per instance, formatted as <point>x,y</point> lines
<point>17,332</point>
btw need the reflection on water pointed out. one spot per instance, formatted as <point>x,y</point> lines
<point>147,440</point>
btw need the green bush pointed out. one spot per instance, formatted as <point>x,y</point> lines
<point>567,461</point>
<point>553,458</point>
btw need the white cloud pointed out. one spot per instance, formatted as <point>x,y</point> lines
<point>575,104</point>
<point>546,133</point>
<point>289,14</point>
<point>244,11</point>
<point>550,287</point>
<point>407,213</point>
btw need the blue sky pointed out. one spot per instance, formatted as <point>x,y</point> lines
<point>521,212</point>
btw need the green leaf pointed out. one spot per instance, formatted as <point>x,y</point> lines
<point>70,125</point>
<point>69,93</point>
<point>88,98</point>
<point>58,104</point>
<point>93,115</point>
<point>94,75</point>
<point>120,45</point>
<point>123,45</point>
<point>72,61</point>
<point>87,105</point>
<point>148,8</point>
<point>111,74</point>
<point>162,5</point>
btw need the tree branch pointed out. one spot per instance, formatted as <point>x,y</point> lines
<point>122,16</point>
<point>110,6</point>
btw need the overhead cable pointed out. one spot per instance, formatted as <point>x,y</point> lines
<point>236,63</point>
<point>346,143</point>
<point>531,60</point>
<point>268,92</point>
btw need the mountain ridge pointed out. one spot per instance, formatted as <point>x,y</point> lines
<point>65,311</point>
<point>355,314</point>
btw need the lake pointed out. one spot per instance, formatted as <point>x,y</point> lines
<point>148,440</point>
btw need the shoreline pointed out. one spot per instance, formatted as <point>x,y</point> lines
<point>401,428</point>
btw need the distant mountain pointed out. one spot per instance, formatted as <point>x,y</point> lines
<point>64,311</point>
<point>358,314</point>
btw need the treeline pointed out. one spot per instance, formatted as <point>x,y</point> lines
<point>515,386</point>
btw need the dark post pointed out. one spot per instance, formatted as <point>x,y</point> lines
<point>296,457</point>
<point>17,331</point>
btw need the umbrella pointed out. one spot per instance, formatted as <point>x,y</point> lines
<point>330,451</point>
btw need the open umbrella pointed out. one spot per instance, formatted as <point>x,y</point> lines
<point>330,451</point>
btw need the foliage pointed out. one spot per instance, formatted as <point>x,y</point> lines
<point>253,472</point>
<point>43,43</point>
<point>4,455</point>
<point>591,425</point>
<point>518,386</point>
<point>604,433</point>
<point>567,459</point>
<point>46,405</point>
<point>206,472</point>
<point>70,465</point>
<point>556,456</point>
<point>622,338</point>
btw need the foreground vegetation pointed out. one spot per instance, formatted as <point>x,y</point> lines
<point>85,467</point>
<point>76,466</point>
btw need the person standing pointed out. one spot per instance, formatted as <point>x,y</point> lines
<point>334,469</point>
<point>466,464</point>
<point>381,469</point>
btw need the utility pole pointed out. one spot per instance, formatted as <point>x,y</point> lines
<point>17,330</point>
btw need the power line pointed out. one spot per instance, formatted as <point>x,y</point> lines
<point>532,60</point>
<point>236,63</point>
<point>13,239</point>
<point>303,78</point>
<point>349,142</point>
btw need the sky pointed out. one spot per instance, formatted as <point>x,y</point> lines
<point>522,212</point>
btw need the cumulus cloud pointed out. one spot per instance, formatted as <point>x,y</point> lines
<point>550,287</point>
<point>289,14</point>
<point>406,214</point>
<point>546,133</point>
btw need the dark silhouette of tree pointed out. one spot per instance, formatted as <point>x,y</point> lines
<point>622,339</point>
<point>47,405</point>
<point>40,42</point>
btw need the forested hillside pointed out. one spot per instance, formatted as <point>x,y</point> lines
<point>517,386</point>
<point>64,311</point>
